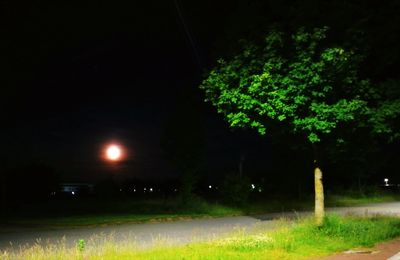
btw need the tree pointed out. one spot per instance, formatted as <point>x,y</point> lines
<point>183,142</point>
<point>300,80</point>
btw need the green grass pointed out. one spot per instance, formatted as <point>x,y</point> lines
<point>94,213</point>
<point>298,240</point>
<point>360,199</point>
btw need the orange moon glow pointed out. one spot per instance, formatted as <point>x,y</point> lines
<point>113,153</point>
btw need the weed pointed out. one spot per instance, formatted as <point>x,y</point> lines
<point>80,245</point>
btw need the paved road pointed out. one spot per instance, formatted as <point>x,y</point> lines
<point>178,232</point>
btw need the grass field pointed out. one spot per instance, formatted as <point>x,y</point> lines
<point>91,212</point>
<point>298,240</point>
<point>357,199</point>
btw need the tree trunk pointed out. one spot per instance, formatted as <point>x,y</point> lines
<point>3,199</point>
<point>189,180</point>
<point>3,190</point>
<point>241,162</point>
<point>319,197</point>
<point>319,207</point>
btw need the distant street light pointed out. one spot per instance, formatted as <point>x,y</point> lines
<point>386,180</point>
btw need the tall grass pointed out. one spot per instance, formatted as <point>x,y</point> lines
<point>293,240</point>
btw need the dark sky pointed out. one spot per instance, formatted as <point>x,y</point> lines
<point>81,75</point>
<point>78,75</point>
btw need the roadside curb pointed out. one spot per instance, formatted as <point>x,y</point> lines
<point>389,250</point>
<point>395,257</point>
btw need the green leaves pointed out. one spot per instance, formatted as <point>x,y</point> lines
<point>299,80</point>
<point>383,117</point>
<point>80,245</point>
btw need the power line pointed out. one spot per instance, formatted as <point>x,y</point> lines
<point>188,35</point>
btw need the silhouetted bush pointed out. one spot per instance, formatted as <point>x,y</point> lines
<point>236,189</point>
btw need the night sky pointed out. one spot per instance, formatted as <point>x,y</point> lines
<point>79,76</point>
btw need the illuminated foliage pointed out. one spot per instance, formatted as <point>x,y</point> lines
<point>297,79</point>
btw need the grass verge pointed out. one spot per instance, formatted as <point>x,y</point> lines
<point>85,213</point>
<point>97,213</point>
<point>298,240</point>
<point>334,200</point>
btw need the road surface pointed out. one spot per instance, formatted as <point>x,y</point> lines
<point>178,232</point>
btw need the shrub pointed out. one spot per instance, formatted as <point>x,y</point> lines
<point>235,190</point>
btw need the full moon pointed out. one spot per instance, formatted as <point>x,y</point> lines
<point>113,153</point>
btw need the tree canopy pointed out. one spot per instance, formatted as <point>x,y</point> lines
<point>301,79</point>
